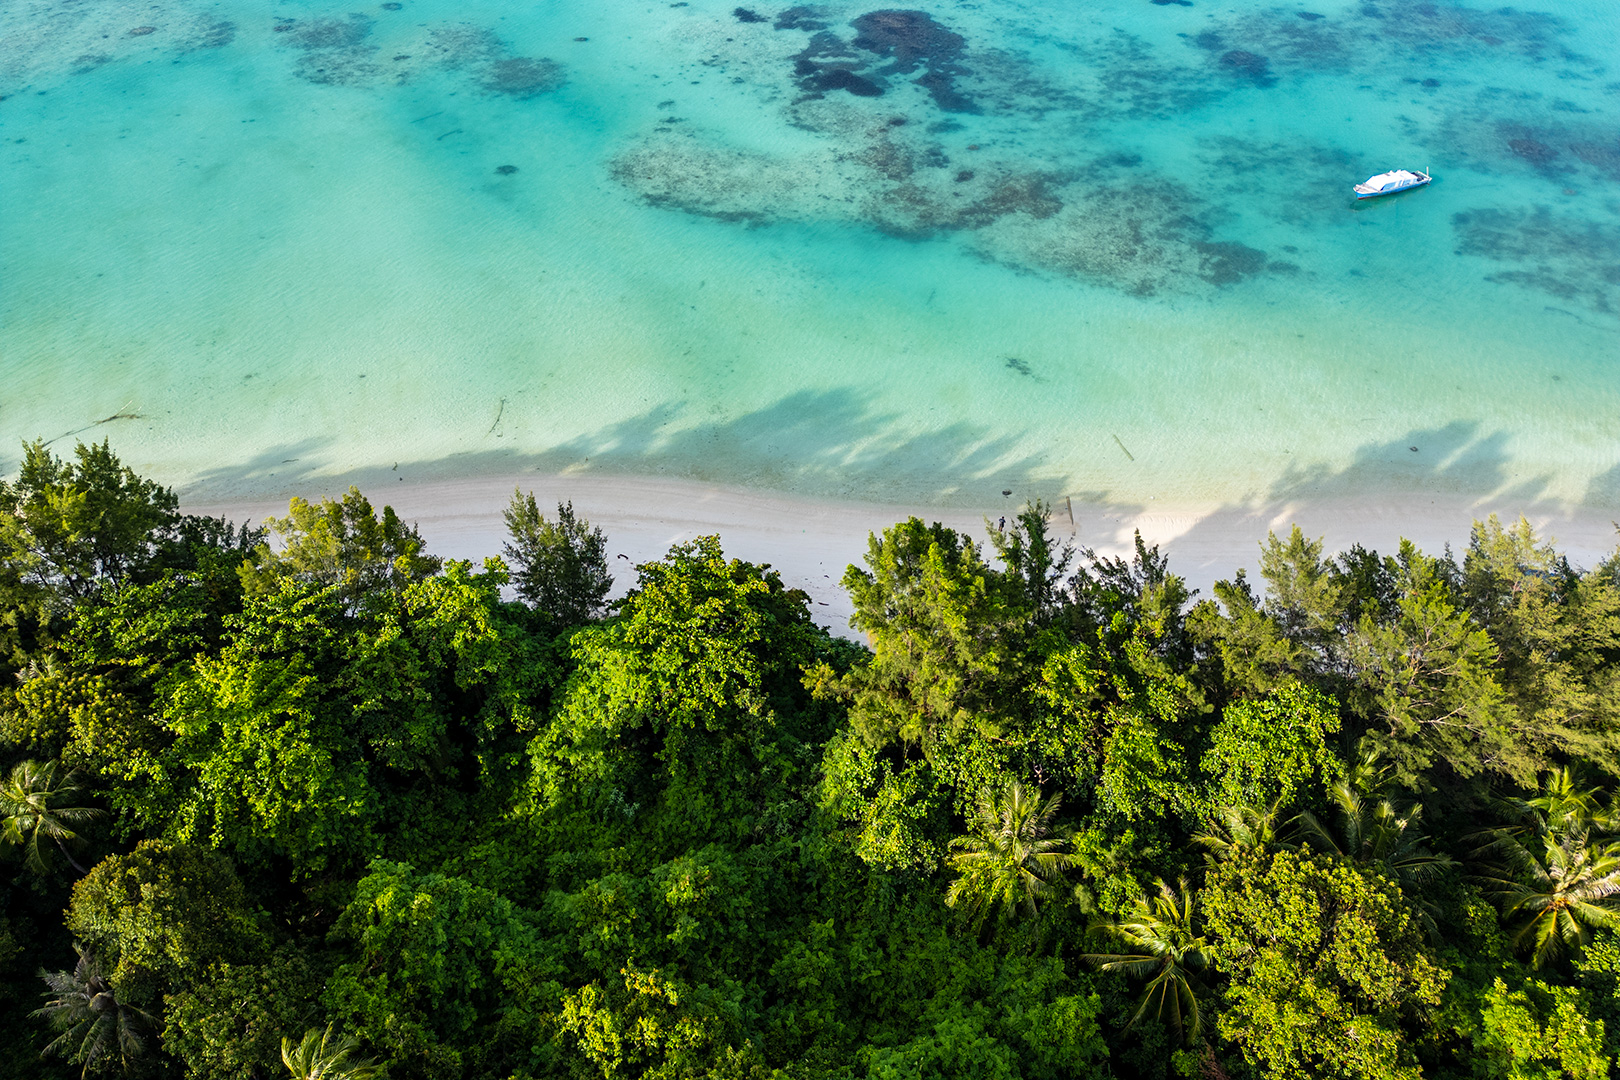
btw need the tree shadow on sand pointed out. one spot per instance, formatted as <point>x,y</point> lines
<point>827,444</point>
<point>1426,484</point>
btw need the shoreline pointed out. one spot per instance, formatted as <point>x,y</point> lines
<point>809,541</point>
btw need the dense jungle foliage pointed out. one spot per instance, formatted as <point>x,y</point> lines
<point>309,799</point>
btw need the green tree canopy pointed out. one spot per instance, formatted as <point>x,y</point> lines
<point>159,916</point>
<point>1273,750</point>
<point>1325,966</point>
<point>73,526</point>
<point>689,707</point>
<point>342,543</point>
<point>559,567</point>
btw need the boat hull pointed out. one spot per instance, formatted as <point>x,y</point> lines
<point>1392,190</point>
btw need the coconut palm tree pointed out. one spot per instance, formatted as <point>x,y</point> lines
<point>1377,834</point>
<point>37,800</point>
<point>96,1028</point>
<point>1555,883</point>
<point>1240,828</point>
<point>1373,831</point>
<point>1564,805</point>
<point>321,1056</point>
<point>1012,858</point>
<point>1164,947</point>
<point>1559,894</point>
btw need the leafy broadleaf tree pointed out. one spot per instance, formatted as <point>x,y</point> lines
<point>559,567</point>
<point>342,543</point>
<point>1273,750</point>
<point>1164,947</point>
<point>37,803</point>
<point>690,705</point>
<point>97,1029</point>
<point>1315,950</point>
<point>229,1023</point>
<point>73,526</point>
<point>1539,1031</point>
<point>159,916</point>
<point>1014,856</point>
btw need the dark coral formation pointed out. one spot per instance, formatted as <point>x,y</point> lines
<point>335,51</point>
<point>1227,262</point>
<point>340,52</point>
<point>800,18</point>
<point>330,33</point>
<point>906,40</point>
<point>1289,182</point>
<point>1553,146</point>
<point>521,76</point>
<point>1567,258</point>
<point>215,35</point>
<point>834,77</point>
<point>828,63</point>
<point>1422,24</point>
<point>912,39</point>
<point>506,170</point>
<point>1248,65</point>
<point>1534,151</point>
<point>745,15</point>
<point>337,67</point>
<point>1392,31</point>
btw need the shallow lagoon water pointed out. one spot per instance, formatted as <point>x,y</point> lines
<point>1102,249</point>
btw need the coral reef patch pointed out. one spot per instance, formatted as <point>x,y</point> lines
<point>343,52</point>
<point>1145,236</point>
<point>521,76</point>
<point>887,43</point>
<point>1571,259</point>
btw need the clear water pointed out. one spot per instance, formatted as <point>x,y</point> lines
<point>1104,248</point>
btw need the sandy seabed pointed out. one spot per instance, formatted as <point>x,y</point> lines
<point>811,541</point>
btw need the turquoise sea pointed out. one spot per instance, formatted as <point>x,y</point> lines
<point>1104,248</point>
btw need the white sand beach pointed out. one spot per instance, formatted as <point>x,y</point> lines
<point>810,541</point>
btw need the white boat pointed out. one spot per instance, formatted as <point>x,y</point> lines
<point>1390,182</point>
